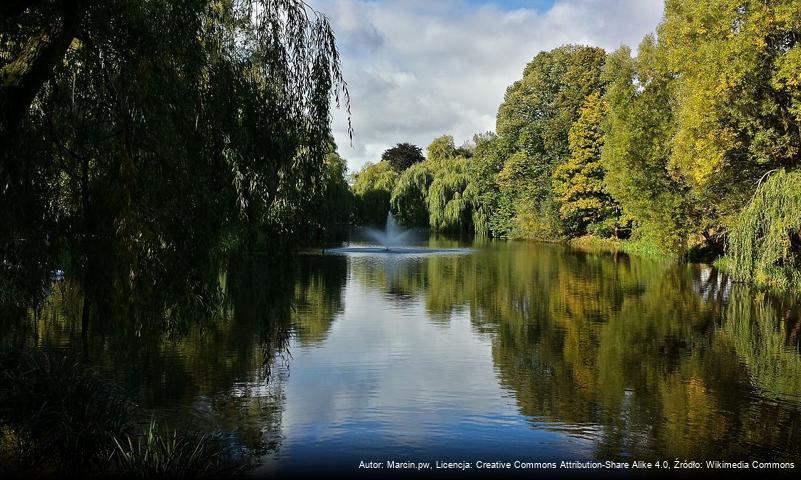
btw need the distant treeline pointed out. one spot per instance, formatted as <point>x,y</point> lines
<point>668,146</point>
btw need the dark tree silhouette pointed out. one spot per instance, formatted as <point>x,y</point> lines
<point>402,156</point>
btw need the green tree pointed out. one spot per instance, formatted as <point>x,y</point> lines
<point>410,196</point>
<point>372,189</point>
<point>449,206</point>
<point>534,120</point>
<point>142,142</point>
<point>335,202</point>
<point>737,97</point>
<point>441,148</point>
<point>765,242</point>
<point>493,214</point>
<point>436,192</point>
<point>402,156</point>
<point>638,130</point>
<point>579,182</point>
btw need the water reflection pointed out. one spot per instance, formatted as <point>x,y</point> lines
<point>518,349</point>
<point>644,357</point>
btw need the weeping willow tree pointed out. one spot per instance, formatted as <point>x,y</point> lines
<point>765,243</point>
<point>372,191</point>
<point>409,197</point>
<point>449,209</point>
<point>142,142</point>
<point>439,192</point>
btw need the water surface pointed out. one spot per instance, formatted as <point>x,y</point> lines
<point>511,351</point>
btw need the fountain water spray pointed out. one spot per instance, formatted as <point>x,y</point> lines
<point>393,240</point>
<point>392,236</point>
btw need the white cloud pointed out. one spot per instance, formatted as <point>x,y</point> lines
<point>420,69</point>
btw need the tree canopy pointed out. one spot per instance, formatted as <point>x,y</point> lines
<point>579,186</point>
<point>372,188</point>
<point>402,156</point>
<point>534,121</point>
<point>668,146</point>
<point>142,142</point>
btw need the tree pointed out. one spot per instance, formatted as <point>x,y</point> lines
<point>335,203</point>
<point>441,148</point>
<point>765,242</point>
<point>449,206</point>
<point>737,97</point>
<point>638,130</point>
<point>409,199</point>
<point>493,213</point>
<point>534,120</point>
<point>402,156</point>
<point>159,137</point>
<point>372,189</point>
<point>436,192</point>
<point>35,45</point>
<point>585,204</point>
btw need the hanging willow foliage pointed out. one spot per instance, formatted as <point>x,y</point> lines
<point>409,196</point>
<point>764,245</point>
<point>448,210</point>
<point>157,138</point>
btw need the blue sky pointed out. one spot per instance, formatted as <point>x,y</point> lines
<point>418,69</point>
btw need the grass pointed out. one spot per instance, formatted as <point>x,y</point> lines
<point>637,247</point>
<point>591,243</point>
<point>60,414</point>
<point>160,452</point>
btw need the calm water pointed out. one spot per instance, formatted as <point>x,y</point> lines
<point>514,351</point>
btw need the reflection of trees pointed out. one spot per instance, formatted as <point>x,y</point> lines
<point>318,297</point>
<point>764,333</point>
<point>220,366</point>
<point>632,347</point>
<point>402,278</point>
<point>631,352</point>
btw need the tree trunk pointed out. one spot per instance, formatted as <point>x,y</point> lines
<point>21,79</point>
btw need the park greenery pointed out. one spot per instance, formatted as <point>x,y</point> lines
<point>153,155</point>
<point>160,160</point>
<point>142,143</point>
<point>690,146</point>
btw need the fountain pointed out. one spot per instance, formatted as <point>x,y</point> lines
<point>392,236</point>
<point>392,240</point>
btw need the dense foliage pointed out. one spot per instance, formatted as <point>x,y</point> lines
<point>579,185</point>
<point>666,146</point>
<point>142,142</point>
<point>58,415</point>
<point>765,243</point>
<point>402,156</point>
<point>435,192</point>
<point>372,188</point>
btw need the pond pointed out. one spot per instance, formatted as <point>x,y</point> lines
<point>509,351</point>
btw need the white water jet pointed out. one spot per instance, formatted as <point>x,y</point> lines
<point>393,240</point>
<point>392,236</point>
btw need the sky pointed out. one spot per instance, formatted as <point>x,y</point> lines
<point>418,69</point>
